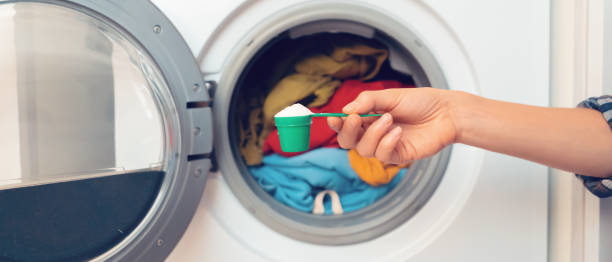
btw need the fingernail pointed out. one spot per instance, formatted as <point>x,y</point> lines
<point>396,131</point>
<point>349,108</point>
<point>386,118</point>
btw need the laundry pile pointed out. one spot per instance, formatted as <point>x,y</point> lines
<point>324,75</point>
<point>295,181</point>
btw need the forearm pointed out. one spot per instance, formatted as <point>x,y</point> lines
<point>573,139</point>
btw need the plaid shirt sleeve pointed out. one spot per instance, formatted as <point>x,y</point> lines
<point>601,187</point>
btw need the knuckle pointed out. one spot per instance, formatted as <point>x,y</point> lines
<point>334,124</point>
<point>361,149</point>
<point>381,156</point>
<point>365,95</point>
<point>345,143</point>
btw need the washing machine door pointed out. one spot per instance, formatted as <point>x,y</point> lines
<point>105,131</point>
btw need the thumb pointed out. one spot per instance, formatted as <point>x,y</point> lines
<point>372,101</point>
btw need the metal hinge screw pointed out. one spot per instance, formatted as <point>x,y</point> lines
<point>211,86</point>
<point>196,87</point>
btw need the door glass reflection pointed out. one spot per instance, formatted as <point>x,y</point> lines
<point>77,99</point>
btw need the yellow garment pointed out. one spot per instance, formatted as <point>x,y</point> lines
<point>371,170</point>
<point>251,139</point>
<point>313,83</point>
<point>316,76</point>
<point>359,61</point>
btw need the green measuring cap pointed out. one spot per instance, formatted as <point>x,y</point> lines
<point>293,132</point>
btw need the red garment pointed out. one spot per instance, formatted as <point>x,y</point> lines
<point>320,133</point>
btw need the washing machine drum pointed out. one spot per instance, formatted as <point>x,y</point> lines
<point>105,132</point>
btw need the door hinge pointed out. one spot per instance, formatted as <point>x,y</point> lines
<point>214,166</point>
<point>211,87</point>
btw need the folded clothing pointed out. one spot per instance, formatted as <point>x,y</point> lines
<point>313,82</point>
<point>320,133</point>
<point>373,171</point>
<point>297,180</point>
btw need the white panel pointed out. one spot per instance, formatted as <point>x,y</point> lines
<point>508,43</point>
<point>504,219</point>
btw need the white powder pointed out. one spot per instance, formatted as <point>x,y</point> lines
<point>294,110</point>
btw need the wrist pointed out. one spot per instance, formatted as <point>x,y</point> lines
<point>464,110</point>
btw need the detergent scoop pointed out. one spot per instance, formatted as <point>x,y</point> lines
<point>293,125</point>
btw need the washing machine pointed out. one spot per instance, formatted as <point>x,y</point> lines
<point>120,132</point>
<point>484,206</point>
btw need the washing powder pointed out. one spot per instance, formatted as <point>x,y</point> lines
<point>294,110</point>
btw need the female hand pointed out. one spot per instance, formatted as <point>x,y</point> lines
<point>417,123</point>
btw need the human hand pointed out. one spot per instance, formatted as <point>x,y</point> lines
<point>417,123</point>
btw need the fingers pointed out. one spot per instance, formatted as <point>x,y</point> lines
<point>386,148</point>
<point>367,101</point>
<point>335,123</point>
<point>350,132</point>
<point>367,121</point>
<point>373,134</point>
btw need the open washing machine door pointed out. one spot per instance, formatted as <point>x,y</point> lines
<point>106,131</point>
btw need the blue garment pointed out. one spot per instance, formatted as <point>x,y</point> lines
<point>295,181</point>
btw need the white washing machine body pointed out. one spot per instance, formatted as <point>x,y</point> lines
<point>488,207</point>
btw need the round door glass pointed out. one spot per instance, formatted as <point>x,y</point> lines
<point>83,104</point>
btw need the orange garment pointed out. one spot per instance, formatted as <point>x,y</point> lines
<point>371,170</point>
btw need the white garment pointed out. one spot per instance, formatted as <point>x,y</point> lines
<point>318,207</point>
